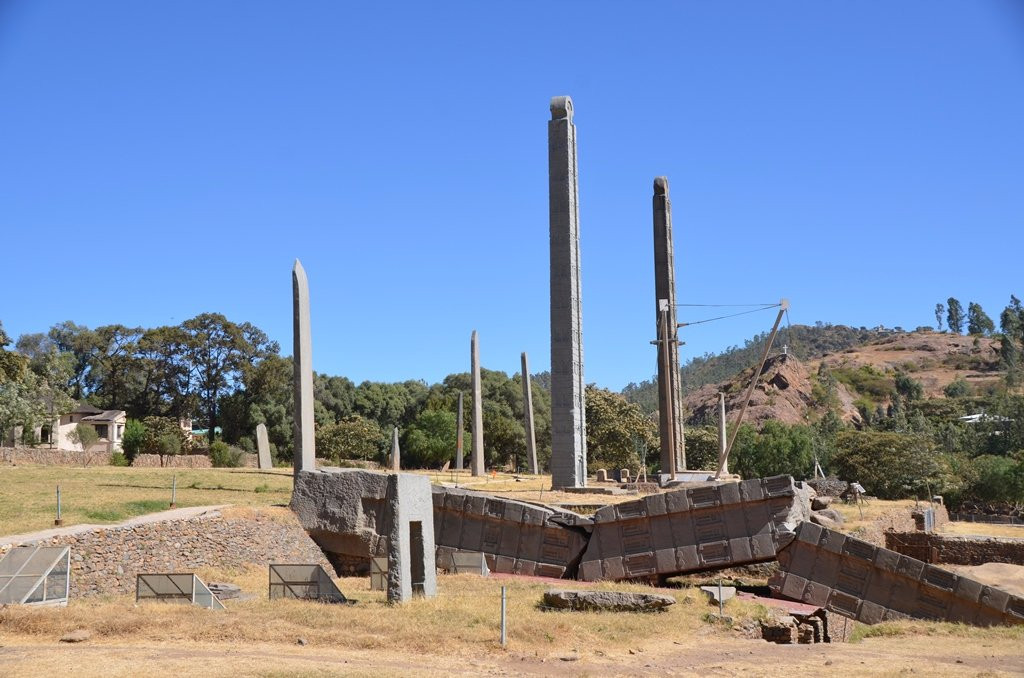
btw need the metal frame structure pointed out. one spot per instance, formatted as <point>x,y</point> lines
<point>302,582</point>
<point>179,590</point>
<point>30,575</point>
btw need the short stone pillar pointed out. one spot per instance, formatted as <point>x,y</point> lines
<point>624,475</point>
<point>263,447</point>
<point>410,515</point>
<point>602,475</point>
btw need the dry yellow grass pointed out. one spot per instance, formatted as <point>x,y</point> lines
<point>457,632</point>
<point>108,494</point>
<point>983,530</point>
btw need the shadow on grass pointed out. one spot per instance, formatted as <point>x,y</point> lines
<point>193,486</point>
<point>127,510</point>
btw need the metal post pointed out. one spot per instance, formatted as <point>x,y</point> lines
<point>783,306</point>
<point>59,520</point>
<point>720,604</point>
<point>503,635</point>
<point>174,491</point>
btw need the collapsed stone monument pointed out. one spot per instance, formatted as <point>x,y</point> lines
<point>355,515</point>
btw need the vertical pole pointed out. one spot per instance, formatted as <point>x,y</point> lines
<point>722,438</point>
<point>59,520</point>
<point>504,637</point>
<point>720,604</point>
<point>459,426</point>
<point>668,428</point>
<point>174,491</point>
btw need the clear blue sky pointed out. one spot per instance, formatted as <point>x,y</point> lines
<point>163,159</point>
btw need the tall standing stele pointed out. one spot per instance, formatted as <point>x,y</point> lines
<point>302,380</point>
<point>531,437</point>
<point>476,455</point>
<point>670,413</point>
<point>568,398</point>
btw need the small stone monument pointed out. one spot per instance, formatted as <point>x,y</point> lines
<point>263,447</point>
<point>602,475</point>
<point>624,475</point>
<point>396,452</point>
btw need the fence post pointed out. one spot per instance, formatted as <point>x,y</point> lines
<point>59,520</point>
<point>504,637</point>
<point>174,491</point>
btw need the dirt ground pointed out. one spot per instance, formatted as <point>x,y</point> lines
<point>685,656</point>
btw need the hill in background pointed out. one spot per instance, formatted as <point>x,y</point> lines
<point>863,362</point>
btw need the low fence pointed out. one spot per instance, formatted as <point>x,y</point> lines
<point>987,518</point>
<point>956,550</point>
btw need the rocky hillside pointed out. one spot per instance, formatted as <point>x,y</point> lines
<point>864,372</point>
<point>784,392</point>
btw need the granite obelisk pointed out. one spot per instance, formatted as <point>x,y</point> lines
<point>476,455</point>
<point>531,438</point>
<point>459,426</point>
<point>723,443</point>
<point>263,447</point>
<point>568,399</point>
<point>670,412</point>
<point>302,360</point>
<point>396,452</point>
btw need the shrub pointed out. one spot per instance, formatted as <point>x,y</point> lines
<point>957,388</point>
<point>85,435</point>
<point>223,455</point>
<point>160,428</point>
<point>134,438</point>
<point>119,459</point>
<point>168,444</point>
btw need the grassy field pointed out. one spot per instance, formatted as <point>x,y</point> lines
<point>109,494</point>
<point>457,632</point>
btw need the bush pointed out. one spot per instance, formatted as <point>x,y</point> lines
<point>119,459</point>
<point>85,435</point>
<point>134,438</point>
<point>895,465</point>
<point>160,429</point>
<point>223,455</point>
<point>168,444</point>
<point>957,388</point>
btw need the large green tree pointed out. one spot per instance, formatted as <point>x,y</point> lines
<point>217,351</point>
<point>954,316</point>
<point>978,322</point>
<point>614,428</point>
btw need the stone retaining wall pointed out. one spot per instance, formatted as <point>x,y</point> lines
<point>106,560</point>
<point>186,461</point>
<point>955,550</point>
<point>47,457</point>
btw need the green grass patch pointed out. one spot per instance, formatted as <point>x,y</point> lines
<point>866,380</point>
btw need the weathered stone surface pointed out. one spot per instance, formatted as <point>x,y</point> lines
<point>610,601</point>
<point>396,451</point>
<point>669,412</point>
<point>516,537</point>
<point>459,433</point>
<point>728,593</point>
<point>602,475</point>
<point>105,560</point>
<point>873,584</point>
<point>410,527</point>
<point>832,514</point>
<point>821,502</point>
<point>568,399</point>
<point>476,455</point>
<point>819,518</point>
<point>344,511</point>
<point>956,550</point>
<point>76,636</point>
<point>263,447</point>
<point>700,528</point>
<point>531,438</point>
<point>302,379</point>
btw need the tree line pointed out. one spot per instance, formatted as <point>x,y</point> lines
<point>230,377</point>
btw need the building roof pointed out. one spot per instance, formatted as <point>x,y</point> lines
<point>85,408</point>
<point>105,415</point>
